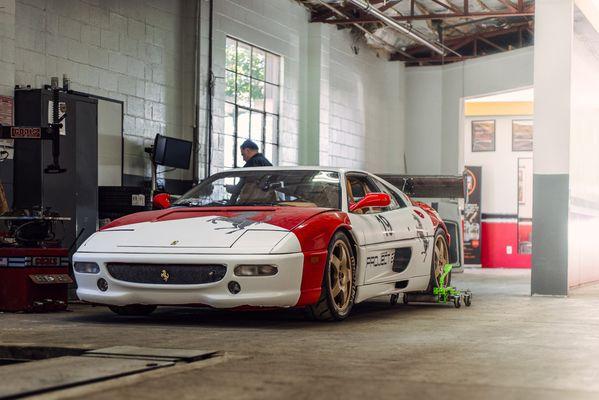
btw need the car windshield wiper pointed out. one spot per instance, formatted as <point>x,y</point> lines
<point>256,203</point>
<point>192,203</point>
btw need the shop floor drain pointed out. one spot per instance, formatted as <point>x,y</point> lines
<point>31,371</point>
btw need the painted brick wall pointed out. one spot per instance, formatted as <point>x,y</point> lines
<point>366,120</point>
<point>137,51</point>
<point>280,27</point>
<point>7,47</point>
<point>141,52</point>
<point>355,92</point>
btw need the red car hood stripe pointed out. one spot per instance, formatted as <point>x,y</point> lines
<point>283,217</point>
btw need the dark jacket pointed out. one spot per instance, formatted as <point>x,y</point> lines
<point>258,161</point>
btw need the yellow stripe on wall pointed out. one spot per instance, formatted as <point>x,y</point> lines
<point>473,109</point>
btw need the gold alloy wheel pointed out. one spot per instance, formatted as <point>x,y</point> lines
<point>440,258</point>
<point>341,275</point>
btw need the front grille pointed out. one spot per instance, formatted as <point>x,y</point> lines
<point>167,274</point>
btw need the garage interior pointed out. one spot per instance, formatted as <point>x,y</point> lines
<point>419,92</point>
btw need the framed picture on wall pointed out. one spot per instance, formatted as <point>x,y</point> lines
<point>522,135</point>
<point>483,135</point>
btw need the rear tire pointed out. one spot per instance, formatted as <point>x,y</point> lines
<point>439,259</point>
<point>133,310</point>
<point>338,283</point>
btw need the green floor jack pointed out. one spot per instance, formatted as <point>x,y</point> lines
<point>442,294</point>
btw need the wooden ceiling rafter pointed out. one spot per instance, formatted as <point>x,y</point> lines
<point>510,25</point>
<point>443,16</point>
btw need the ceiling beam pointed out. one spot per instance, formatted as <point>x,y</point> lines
<point>487,41</point>
<point>428,60</point>
<point>461,41</point>
<point>370,20</point>
<point>388,5</point>
<point>448,6</point>
<point>509,5</point>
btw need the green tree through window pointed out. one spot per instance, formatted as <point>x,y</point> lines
<point>251,101</point>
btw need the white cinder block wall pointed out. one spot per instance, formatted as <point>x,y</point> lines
<point>7,47</point>
<point>366,125</point>
<point>137,51</point>
<point>435,95</point>
<point>355,92</point>
<point>142,52</point>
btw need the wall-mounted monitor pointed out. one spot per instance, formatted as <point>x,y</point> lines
<point>171,152</point>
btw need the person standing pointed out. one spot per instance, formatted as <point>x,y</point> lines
<point>251,155</point>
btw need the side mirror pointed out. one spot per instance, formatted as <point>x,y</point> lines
<point>161,201</point>
<point>372,200</point>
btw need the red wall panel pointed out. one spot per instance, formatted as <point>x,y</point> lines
<point>496,236</point>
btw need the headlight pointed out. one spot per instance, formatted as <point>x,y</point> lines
<point>255,270</point>
<point>86,267</point>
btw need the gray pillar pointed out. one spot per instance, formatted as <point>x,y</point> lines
<point>552,70</point>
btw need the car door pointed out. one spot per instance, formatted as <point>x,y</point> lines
<point>393,245</point>
<point>380,231</point>
<point>414,254</point>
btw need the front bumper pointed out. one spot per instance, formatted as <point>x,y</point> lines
<point>280,290</point>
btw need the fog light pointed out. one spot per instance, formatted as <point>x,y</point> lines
<point>255,270</point>
<point>86,267</point>
<point>234,287</point>
<point>102,284</point>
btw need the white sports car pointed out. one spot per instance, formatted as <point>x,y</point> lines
<point>320,238</point>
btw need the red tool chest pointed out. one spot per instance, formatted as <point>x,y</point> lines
<point>34,279</point>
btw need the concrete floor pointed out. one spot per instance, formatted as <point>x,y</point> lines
<point>508,345</point>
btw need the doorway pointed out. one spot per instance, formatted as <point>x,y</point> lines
<point>498,138</point>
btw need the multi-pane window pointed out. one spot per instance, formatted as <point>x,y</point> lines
<point>251,101</point>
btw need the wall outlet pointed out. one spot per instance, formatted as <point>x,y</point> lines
<point>508,249</point>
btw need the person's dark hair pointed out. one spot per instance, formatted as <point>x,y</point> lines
<point>248,144</point>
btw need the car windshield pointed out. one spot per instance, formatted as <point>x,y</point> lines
<point>297,188</point>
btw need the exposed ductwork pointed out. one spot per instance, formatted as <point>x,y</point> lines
<point>367,8</point>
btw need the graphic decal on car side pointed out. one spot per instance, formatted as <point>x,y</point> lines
<point>385,258</point>
<point>387,228</point>
<point>421,235</point>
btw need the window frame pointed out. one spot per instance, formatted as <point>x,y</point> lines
<point>386,188</point>
<point>250,109</point>
<point>373,182</point>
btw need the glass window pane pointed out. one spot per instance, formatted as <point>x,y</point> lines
<point>229,119</point>
<point>270,153</point>
<point>231,54</point>
<point>258,62</point>
<point>230,86</point>
<point>257,95</point>
<point>243,91</point>
<point>243,125</point>
<point>272,99</point>
<point>229,151</point>
<point>273,68</point>
<point>244,52</point>
<point>271,129</point>
<point>256,128</point>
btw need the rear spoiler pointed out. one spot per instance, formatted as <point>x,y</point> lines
<point>428,186</point>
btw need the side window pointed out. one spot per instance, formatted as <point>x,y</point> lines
<point>396,199</point>
<point>358,186</point>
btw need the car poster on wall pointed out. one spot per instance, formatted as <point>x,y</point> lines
<point>472,215</point>
<point>522,131</point>
<point>483,135</point>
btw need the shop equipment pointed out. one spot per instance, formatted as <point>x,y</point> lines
<point>443,294</point>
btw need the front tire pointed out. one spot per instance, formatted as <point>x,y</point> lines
<point>133,310</point>
<point>439,259</point>
<point>339,282</point>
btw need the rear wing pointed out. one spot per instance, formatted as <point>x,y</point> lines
<point>428,186</point>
